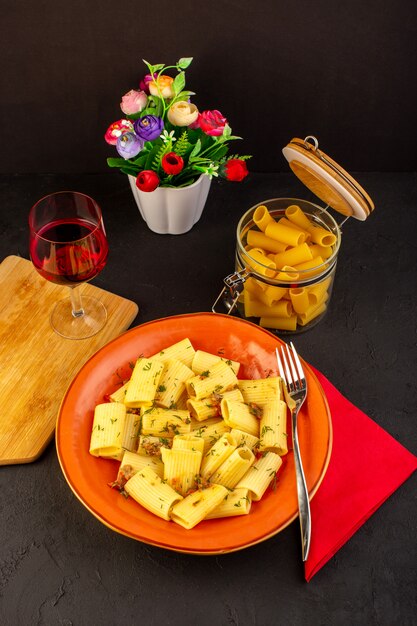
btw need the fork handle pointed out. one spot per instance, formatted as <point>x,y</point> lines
<point>303,501</point>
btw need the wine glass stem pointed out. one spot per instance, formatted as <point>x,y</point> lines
<point>77,307</point>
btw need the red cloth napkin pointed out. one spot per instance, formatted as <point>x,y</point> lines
<point>367,462</point>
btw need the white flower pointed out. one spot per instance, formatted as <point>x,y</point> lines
<point>168,137</point>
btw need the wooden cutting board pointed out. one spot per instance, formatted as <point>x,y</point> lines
<point>36,364</point>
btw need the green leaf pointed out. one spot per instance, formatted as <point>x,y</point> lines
<point>184,62</point>
<point>115,162</point>
<point>195,150</point>
<point>179,82</point>
<point>227,131</point>
<point>152,154</point>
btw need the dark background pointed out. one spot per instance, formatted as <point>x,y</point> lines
<point>345,72</point>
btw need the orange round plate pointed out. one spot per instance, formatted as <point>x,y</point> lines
<point>89,476</point>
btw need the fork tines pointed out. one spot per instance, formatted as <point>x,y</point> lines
<point>290,368</point>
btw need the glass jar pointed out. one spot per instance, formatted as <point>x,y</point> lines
<point>283,298</point>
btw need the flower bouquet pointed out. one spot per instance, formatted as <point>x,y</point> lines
<point>165,141</point>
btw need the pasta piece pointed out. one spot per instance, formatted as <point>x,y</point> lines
<point>218,379</point>
<point>290,224</point>
<point>279,323</point>
<point>254,308</point>
<point>240,415</point>
<point>297,217</point>
<point>181,467</point>
<point>293,256</point>
<point>287,235</point>
<point>234,467</point>
<point>204,360</point>
<point>299,299</point>
<point>316,266</point>
<point>317,293</point>
<point>165,422</point>
<point>181,351</point>
<point>130,433</point>
<point>150,445</point>
<point>260,390</point>
<point>244,439</point>
<point>271,295</point>
<point>172,383</point>
<point>260,475</point>
<point>202,410</point>
<point>262,217</point>
<point>258,239</point>
<point>144,382</point>
<point>188,442</point>
<point>211,433</point>
<point>195,507</point>
<point>273,428</point>
<point>324,251</point>
<point>321,236</point>
<point>119,394</point>
<point>108,424</point>
<point>236,502</point>
<point>132,463</point>
<point>217,455</point>
<point>311,314</point>
<point>260,263</point>
<point>147,488</point>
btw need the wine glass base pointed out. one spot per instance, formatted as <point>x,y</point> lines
<point>87,325</point>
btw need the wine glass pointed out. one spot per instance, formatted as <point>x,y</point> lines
<point>68,246</point>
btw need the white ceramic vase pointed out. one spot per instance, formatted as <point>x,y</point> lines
<point>171,210</point>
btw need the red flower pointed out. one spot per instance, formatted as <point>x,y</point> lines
<point>147,180</point>
<point>235,169</point>
<point>212,123</point>
<point>172,163</point>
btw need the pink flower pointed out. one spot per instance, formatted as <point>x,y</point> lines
<point>133,102</point>
<point>212,123</point>
<point>116,130</point>
<point>144,83</point>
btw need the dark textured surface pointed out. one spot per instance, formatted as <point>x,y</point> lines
<point>61,566</point>
<point>344,72</point>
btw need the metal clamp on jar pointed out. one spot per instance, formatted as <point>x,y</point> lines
<point>286,250</point>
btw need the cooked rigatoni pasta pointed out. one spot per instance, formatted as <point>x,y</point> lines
<point>130,433</point>
<point>217,454</point>
<point>165,422</point>
<point>204,360</point>
<point>240,415</point>
<point>107,433</point>
<point>119,394</point>
<point>172,383</point>
<point>273,427</point>
<point>195,507</point>
<point>181,351</point>
<point>181,467</point>
<point>219,378</point>
<point>236,502</point>
<point>144,382</point>
<point>131,463</point>
<point>234,468</point>
<point>149,445</point>
<point>147,488</point>
<point>188,442</point>
<point>260,390</point>
<point>259,476</point>
<point>211,433</point>
<point>206,408</point>
<point>244,439</point>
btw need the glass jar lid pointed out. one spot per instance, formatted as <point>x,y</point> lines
<point>327,179</point>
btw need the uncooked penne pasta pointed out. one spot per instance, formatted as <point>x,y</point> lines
<point>293,256</point>
<point>202,362</point>
<point>233,468</point>
<point>311,314</point>
<point>317,293</point>
<point>172,383</point>
<point>299,299</point>
<point>181,468</point>
<point>260,263</point>
<point>297,216</point>
<point>108,424</point>
<point>257,239</point>
<point>147,488</point>
<point>290,236</point>
<point>321,236</point>
<point>144,382</point>
<point>273,428</point>
<point>181,351</point>
<point>241,416</point>
<point>260,475</point>
<point>262,217</point>
<point>279,323</point>
<point>219,378</point>
<point>195,507</point>
<point>236,502</point>
<point>255,308</point>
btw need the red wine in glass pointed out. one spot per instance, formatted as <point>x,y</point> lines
<point>68,246</point>
<point>79,252</point>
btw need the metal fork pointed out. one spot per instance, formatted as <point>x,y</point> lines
<point>292,373</point>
